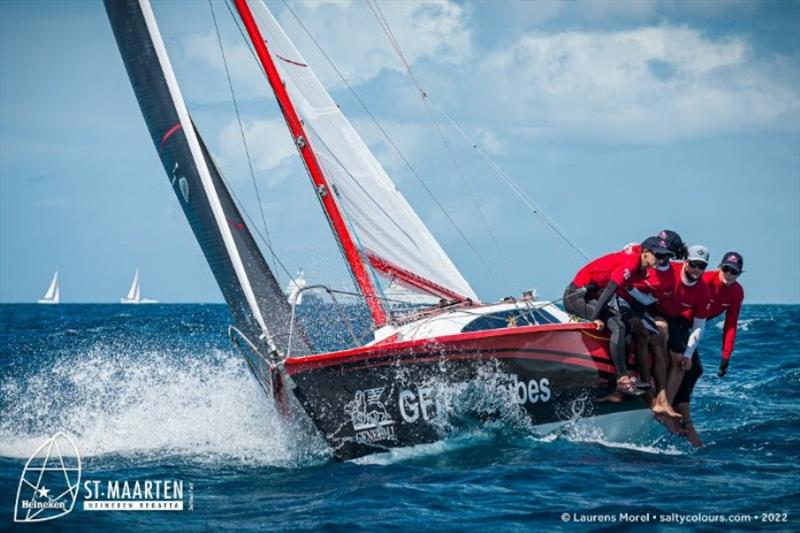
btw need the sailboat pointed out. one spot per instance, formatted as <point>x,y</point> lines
<point>53,294</point>
<point>390,390</point>
<point>134,293</point>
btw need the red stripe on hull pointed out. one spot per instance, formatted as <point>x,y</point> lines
<point>567,360</point>
<point>568,340</point>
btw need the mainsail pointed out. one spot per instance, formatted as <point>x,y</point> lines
<point>249,287</point>
<point>391,235</point>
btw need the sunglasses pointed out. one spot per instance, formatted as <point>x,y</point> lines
<point>730,270</point>
<point>663,257</point>
<point>701,265</point>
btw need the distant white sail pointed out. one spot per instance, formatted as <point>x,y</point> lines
<point>134,294</point>
<point>53,294</point>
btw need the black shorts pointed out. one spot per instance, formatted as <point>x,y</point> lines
<point>679,329</point>
<point>684,393</point>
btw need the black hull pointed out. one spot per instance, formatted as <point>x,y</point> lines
<point>403,397</point>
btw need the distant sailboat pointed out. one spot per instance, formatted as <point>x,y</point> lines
<point>134,294</point>
<point>53,294</point>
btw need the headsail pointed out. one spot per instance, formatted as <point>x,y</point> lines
<point>248,285</point>
<point>392,236</point>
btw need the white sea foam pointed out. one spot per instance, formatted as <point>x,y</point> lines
<point>741,325</point>
<point>117,400</point>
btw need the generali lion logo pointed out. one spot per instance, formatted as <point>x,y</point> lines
<point>371,420</point>
<point>367,411</point>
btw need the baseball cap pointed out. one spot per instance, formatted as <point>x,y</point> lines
<point>733,260</point>
<point>656,245</point>
<point>674,243</point>
<point>698,252</point>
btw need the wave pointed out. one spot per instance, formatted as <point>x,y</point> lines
<point>115,400</point>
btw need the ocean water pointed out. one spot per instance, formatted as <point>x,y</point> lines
<point>156,392</point>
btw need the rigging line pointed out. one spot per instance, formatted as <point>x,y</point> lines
<point>378,13</point>
<point>547,220</point>
<point>515,187</point>
<point>252,222</point>
<point>290,123</point>
<point>258,63</point>
<point>388,138</point>
<point>241,131</point>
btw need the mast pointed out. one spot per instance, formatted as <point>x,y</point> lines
<point>349,249</point>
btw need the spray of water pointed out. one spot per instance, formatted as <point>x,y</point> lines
<point>120,400</point>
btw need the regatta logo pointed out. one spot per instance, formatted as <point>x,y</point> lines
<point>135,495</point>
<point>371,421</point>
<point>48,486</point>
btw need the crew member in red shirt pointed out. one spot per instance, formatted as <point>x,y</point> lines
<point>591,296</point>
<point>727,296</point>
<point>648,329</point>
<point>686,314</point>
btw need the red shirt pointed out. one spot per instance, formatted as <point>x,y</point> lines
<point>724,299</point>
<point>660,284</point>
<point>688,301</point>
<point>621,267</point>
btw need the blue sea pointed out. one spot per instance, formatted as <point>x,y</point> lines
<point>156,392</point>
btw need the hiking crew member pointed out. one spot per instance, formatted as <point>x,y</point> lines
<point>726,297</point>
<point>686,314</point>
<point>658,285</point>
<point>591,296</point>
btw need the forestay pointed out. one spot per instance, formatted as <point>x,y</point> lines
<point>389,232</point>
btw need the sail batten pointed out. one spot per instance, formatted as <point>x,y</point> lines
<point>385,224</point>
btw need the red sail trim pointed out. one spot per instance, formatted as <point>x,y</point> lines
<point>167,135</point>
<point>351,253</point>
<point>391,270</point>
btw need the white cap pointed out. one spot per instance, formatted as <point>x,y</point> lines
<point>698,252</point>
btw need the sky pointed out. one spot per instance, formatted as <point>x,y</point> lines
<point>619,119</point>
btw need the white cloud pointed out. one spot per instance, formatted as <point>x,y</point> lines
<point>428,30</point>
<point>646,85</point>
<point>267,141</point>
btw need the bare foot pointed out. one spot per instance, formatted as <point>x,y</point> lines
<point>692,436</point>
<point>664,408</point>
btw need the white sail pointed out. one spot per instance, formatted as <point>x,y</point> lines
<point>53,294</point>
<point>398,295</point>
<point>390,233</point>
<point>134,293</point>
